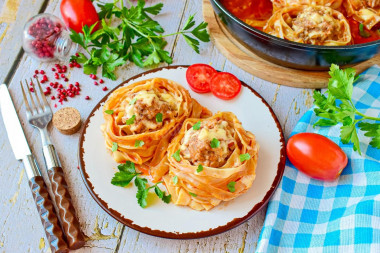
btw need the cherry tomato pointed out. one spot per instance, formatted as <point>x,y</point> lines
<point>78,13</point>
<point>198,76</point>
<point>225,85</point>
<point>316,156</point>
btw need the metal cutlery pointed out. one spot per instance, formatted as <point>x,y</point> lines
<point>37,185</point>
<point>39,114</point>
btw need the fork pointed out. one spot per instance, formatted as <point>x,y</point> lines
<point>39,115</point>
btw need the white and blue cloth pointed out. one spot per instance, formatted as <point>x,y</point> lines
<point>308,215</point>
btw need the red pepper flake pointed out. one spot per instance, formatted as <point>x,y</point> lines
<point>42,72</point>
<point>101,81</point>
<point>35,76</point>
<point>96,83</point>
<point>66,79</point>
<point>52,98</point>
<point>55,105</point>
<point>53,69</point>
<point>87,98</point>
<point>31,89</point>
<point>105,88</point>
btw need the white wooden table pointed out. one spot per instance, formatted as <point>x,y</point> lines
<point>20,226</point>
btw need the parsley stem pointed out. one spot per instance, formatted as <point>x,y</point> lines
<point>365,116</point>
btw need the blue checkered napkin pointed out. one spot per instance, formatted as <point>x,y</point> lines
<point>308,215</point>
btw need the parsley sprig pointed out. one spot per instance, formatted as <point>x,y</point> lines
<point>130,34</point>
<point>127,172</point>
<point>337,107</point>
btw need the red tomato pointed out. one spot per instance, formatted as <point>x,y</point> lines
<point>78,13</point>
<point>316,156</point>
<point>198,76</point>
<point>225,85</point>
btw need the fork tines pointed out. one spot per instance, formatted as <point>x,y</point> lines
<point>32,108</point>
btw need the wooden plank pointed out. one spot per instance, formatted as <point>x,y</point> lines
<point>13,15</point>
<point>20,229</point>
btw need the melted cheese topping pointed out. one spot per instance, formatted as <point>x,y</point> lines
<point>147,98</point>
<point>207,134</point>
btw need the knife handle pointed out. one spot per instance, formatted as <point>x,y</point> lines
<point>49,220</point>
<point>69,221</point>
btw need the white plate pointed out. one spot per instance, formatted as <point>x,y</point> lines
<point>168,220</point>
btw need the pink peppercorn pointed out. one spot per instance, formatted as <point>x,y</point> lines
<point>87,98</point>
<point>101,81</point>
<point>105,88</point>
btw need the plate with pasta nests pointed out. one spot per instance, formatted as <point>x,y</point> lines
<point>170,162</point>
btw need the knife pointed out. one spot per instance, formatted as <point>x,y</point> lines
<point>37,185</point>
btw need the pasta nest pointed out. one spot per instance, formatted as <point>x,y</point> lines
<point>366,12</point>
<point>147,144</point>
<point>207,188</point>
<point>310,24</point>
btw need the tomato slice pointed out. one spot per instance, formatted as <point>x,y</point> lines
<point>225,85</point>
<point>198,76</point>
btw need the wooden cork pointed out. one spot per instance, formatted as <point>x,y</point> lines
<point>67,120</point>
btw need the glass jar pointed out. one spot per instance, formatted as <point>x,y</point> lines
<point>46,38</point>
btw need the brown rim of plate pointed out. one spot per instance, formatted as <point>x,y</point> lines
<point>170,235</point>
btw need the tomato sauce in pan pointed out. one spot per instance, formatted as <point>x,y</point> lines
<point>249,9</point>
<point>355,33</point>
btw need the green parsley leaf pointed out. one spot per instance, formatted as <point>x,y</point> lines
<point>177,156</point>
<point>193,194</point>
<point>159,117</point>
<point>189,23</point>
<point>141,196</point>
<point>141,183</point>
<point>128,167</point>
<point>133,101</point>
<point>122,178</point>
<point>215,143</point>
<point>231,186</point>
<point>193,43</point>
<point>197,125</point>
<point>175,180</point>
<point>201,33</point>
<point>139,143</point>
<point>125,175</point>
<point>158,192</point>
<point>244,157</point>
<point>348,134</point>
<point>131,120</point>
<point>373,131</point>
<point>155,9</point>
<point>200,168</point>
<point>114,146</point>
<point>167,198</point>
<point>362,32</point>
<point>110,112</point>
